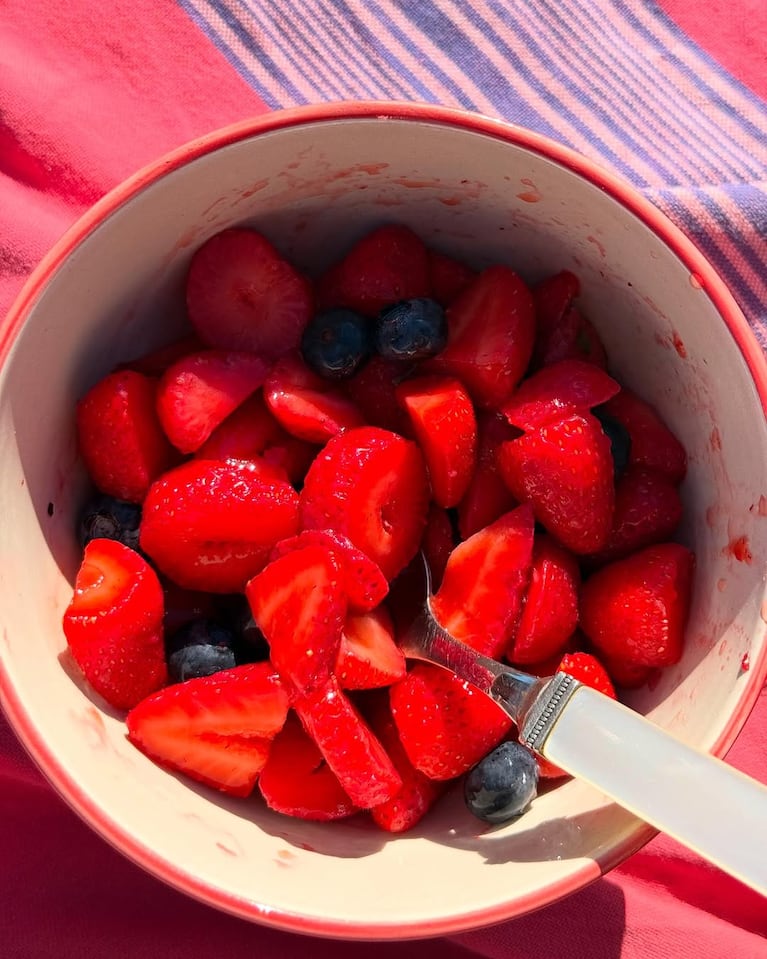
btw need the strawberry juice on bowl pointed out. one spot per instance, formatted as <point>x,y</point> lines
<point>314,182</point>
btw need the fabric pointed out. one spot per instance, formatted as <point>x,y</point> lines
<point>669,95</point>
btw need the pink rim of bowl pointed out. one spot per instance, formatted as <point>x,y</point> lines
<point>616,188</point>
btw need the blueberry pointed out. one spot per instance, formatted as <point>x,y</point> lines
<point>199,648</point>
<point>105,517</point>
<point>336,342</point>
<point>411,330</point>
<point>249,643</point>
<point>503,784</point>
<point>620,440</point>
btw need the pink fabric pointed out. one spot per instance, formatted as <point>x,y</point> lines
<point>88,93</point>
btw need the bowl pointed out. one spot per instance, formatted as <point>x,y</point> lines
<point>313,180</point>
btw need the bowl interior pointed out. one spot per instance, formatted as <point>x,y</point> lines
<point>484,194</point>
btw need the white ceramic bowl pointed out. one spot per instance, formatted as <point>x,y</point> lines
<point>313,180</point>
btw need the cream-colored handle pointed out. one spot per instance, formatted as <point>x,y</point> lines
<point>699,800</point>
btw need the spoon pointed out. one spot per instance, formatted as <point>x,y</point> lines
<point>692,796</point>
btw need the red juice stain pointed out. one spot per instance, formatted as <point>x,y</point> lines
<point>255,188</point>
<point>721,585</point>
<point>696,282</point>
<point>711,514</point>
<point>679,345</point>
<point>532,195</point>
<point>739,549</point>
<point>226,849</point>
<point>715,440</point>
<point>598,245</point>
<point>745,663</point>
<point>763,505</point>
<point>450,200</point>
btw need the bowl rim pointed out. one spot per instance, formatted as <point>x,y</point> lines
<point>619,190</point>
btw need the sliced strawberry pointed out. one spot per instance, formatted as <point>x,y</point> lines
<point>575,338</point>
<point>448,277</point>
<point>363,582</point>
<point>114,624</point>
<point>210,525</point>
<point>628,675</point>
<point>445,724</point>
<point>445,427</point>
<point>653,445</point>
<point>120,437</point>
<point>570,386</point>
<point>371,486</point>
<point>635,610</point>
<point>553,296</point>
<point>438,543</point>
<point>588,670</point>
<point>349,746</point>
<point>242,295</point>
<point>372,391</point>
<point>491,327</point>
<point>308,407</point>
<point>487,497</point>
<point>565,470</point>
<point>245,433</point>
<point>482,590</point>
<point>298,603</point>
<point>297,781</point>
<point>387,265</point>
<point>292,456</point>
<point>216,729</point>
<point>550,611</point>
<point>418,794</point>
<point>157,361</point>
<point>368,656</point>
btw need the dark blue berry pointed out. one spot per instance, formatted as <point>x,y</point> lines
<point>411,330</point>
<point>250,645</point>
<point>503,784</point>
<point>199,648</point>
<point>620,440</point>
<point>105,517</point>
<point>336,343</point>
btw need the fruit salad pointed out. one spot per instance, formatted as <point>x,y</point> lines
<point>264,487</point>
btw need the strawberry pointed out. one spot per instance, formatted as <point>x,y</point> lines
<point>438,543</point>
<point>550,612</point>
<point>445,725</point>
<point>487,497</point>
<point>199,391</point>
<point>551,394</point>
<point>371,486</point>
<point>114,624</point>
<point>387,265</point>
<point>635,610</point>
<point>491,327</point>
<point>156,362</point>
<point>349,746</point>
<point>120,437</point>
<point>296,780</point>
<point>627,675</point>
<point>210,525</point>
<point>298,603</point>
<point>445,427</point>
<point>245,433</point>
<point>565,470</point>
<point>215,729</point>
<point>372,390</point>
<point>588,670</point>
<point>292,456</point>
<point>368,656</point>
<point>574,338</point>
<point>308,407</point>
<point>481,594</point>
<point>448,277</point>
<point>242,295</point>
<point>653,445</point>
<point>553,296</point>
<point>363,582</point>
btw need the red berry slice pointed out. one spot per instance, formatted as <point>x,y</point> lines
<point>292,456</point>
<point>553,296</point>
<point>371,486</point>
<point>217,729</point>
<point>242,295</point>
<point>157,361</point>
<point>445,724</point>
<point>438,543</point>
<point>114,624</point>
<point>308,407</point>
<point>349,746</point>
<point>448,277</point>
<point>298,603</point>
<point>297,781</point>
<point>487,497</point>
<point>635,610</point>
<point>445,427</point>
<point>244,434</point>
<point>120,436</point>
<point>210,525</point>
<point>372,390</point>
<point>653,445</point>
<point>491,327</point>
<point>575,338</point>
<point>368,656</point>
<point>565,470</point>
<point>587,669</point>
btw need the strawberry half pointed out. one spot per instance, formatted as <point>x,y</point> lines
<point>372,390</point>
<point>370,485</point>
<point>245,433</point>
<point>481,594</point>
<point>114,623</point>
<point>211,525</point>
<point>216,729</point>
<point>565,470</point>
<point>445,427</point>
<point>296,780</point>
<point>487,497</point>
<point>242,295</point>
<point>199,391</point>
<point>491,327</point>
<point>653,445</point>
<point>588,670</point>
<point>448,277</point>
<point>574,338</point>
<point>368,656</point>
<point>635,610</point>
<point>553,296</point>
<point>120,436</point>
